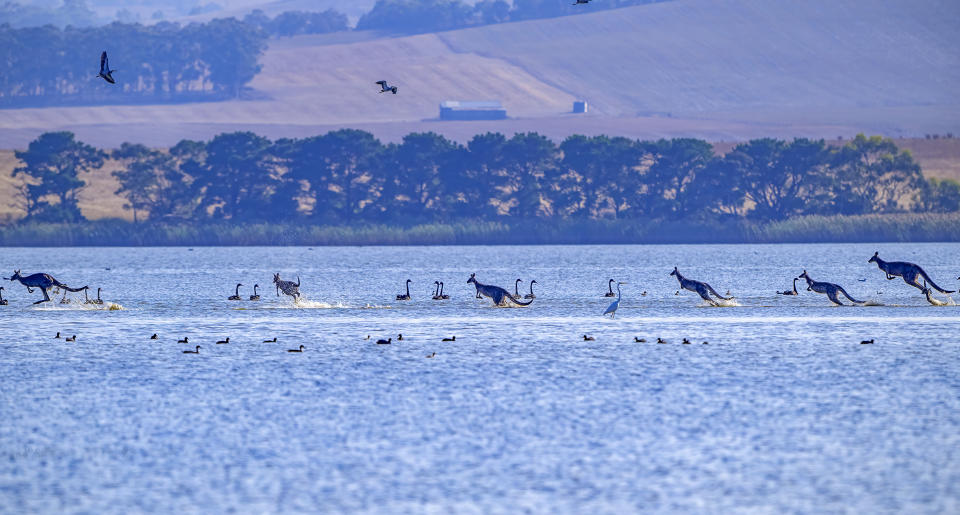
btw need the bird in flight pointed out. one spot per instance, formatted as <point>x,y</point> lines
<point>384,88</point>
<point>105,70</point>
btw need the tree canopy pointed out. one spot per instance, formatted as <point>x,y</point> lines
<point>348,176</point>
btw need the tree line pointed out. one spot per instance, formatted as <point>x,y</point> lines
<point>349,177</point>
<point>157,62</point>
<point>418,16</point>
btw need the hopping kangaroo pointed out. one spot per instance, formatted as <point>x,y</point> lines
<point>701,288</point>
<point>42,281</point>
<point>288,287</point>
<point>498,295</point>
<point>831,290</point>
<point>909,271</point>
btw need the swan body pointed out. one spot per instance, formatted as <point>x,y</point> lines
<point>255,296</point>
<point>196,351</point>
<point>300,349</point>
<point>531,295</point>
<point>236,294</point>
<point>405,296</point>
<point>610,288</point>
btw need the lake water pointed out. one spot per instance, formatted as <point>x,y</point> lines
<point>783,410</point>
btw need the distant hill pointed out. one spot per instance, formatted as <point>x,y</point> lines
<point>727,70</point>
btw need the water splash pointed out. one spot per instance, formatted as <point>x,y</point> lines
<point>721,303</point>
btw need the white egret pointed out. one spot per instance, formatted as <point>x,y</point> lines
<point>615,304</point>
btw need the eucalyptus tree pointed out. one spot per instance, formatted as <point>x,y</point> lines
<point>238,176</point>
<point>53,163</point>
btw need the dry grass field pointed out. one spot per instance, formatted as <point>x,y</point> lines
<point>717,70</point>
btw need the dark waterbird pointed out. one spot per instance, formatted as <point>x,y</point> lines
<point>221,342</point>
<point>105,70</point>
<point>297,350</point>
<point>589,338</point>
<point>255,296</point>
<point>610,288</point>
<point>154,337</point>
<point>385,342</point>
<point>867,342</point>
<point>639,340</point>
<point>531,295</point>
<point>184,340</point>
<point>274,340</point>
<point>71,339</point>
<point>236,293</point>
<point>451,339</point>
<point>385,88</point>
<point>405,296</point>
<point>2,301</point>
<point>197,351</point>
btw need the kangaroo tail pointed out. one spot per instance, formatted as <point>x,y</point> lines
<point>847,295</point>
<point>65,287</point>
<point>714,292</point>
<point>931,283</point>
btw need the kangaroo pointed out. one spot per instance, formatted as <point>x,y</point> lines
<point>701,288</point>
<point>289,287</point>
<point>498,295</point>
<point>829,289</point>
<point>42,281</point>
<point>909,271</point>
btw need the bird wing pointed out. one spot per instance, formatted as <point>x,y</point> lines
<point>382,82</point>
<point>103,61</point>
<point>612,307</point>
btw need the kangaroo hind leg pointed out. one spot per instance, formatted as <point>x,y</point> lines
<point>911,279</point>
<point>706,296</point>
<point>832,295</point>
<point>46,296</point>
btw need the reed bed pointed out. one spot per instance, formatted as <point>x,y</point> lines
<point>832,229</point>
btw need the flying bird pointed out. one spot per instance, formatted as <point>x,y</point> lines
<point>105,70</point>
<point>383,87</point>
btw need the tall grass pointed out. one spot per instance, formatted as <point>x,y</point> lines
<point>866,228</point>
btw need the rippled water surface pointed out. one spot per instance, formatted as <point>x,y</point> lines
<point>783,410</point>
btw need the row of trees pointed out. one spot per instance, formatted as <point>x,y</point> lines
<point>161,61</point>
<point>348,176</point>
<point>293,23</point>
<point>416,16</point>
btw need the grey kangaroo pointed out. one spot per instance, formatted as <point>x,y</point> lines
<point>829,289</point>
<point>498,295</point>
<point>909,271</point>
<point>701,288</point>
<point>42,281</point>
<point>288,287</point>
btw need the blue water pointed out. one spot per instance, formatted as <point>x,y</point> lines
<point>783,410</point>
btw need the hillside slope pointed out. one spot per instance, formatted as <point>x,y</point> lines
<point>709,57</point>
<point>720,70</point>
